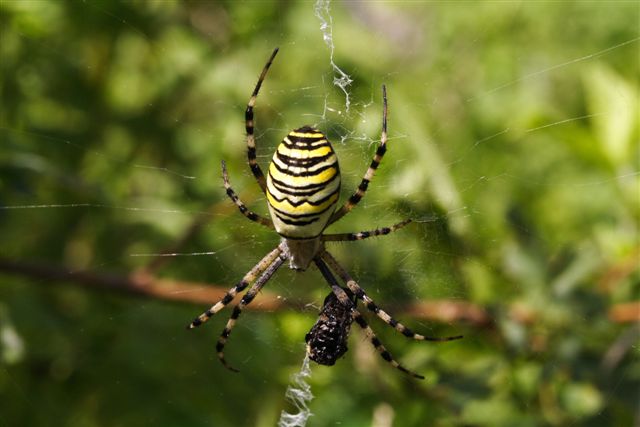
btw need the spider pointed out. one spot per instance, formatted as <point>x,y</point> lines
<point>302,188</point>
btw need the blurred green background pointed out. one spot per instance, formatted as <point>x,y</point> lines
<point>513,144</point>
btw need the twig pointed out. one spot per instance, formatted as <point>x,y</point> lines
<point>620,271</point>
<point>625,312</point>
<point>449,311</point>
<point>140,284</point>
<point>145,284</point>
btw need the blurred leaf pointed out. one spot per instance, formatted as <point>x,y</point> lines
<point>12,349</point>
<point>613,102</point>
<point>581,400</point>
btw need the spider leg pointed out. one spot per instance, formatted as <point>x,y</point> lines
<point>239,287</point>
<point>364,234</point>
<point>241,206</point>
<point>384,353</point>
<point>249,126</point>
<point>357,317</point>
<point>368,176</point>
<point>246,300</point>
<point>340,293</point>
<point>371,305</point>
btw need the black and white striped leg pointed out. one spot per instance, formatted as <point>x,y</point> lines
<point>357,317</point>
<point>371,305</point>
<point>249,126</point>
<point>239,287</point>
<point>384,353</point>
<point>364,234</point>
<point>241,206</point>
<point>368,176</point>
<point>246,300</point>
<point>339,292</point>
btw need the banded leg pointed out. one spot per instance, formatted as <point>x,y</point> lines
<point>368,176</point>
<point>236,200</point>
<point>239,287</point>
<point>364,234</point>
<point>246,300</point>
<point>371,305</point>
<point>249,126</point>
<point>338,291</point>
<point>384,353</point>
<point>357,317</point>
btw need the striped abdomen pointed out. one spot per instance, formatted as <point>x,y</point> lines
<point>303,184</point>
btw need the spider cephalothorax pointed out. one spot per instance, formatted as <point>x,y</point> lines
<point>302,190</point>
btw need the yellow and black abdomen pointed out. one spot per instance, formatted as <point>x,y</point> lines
<point>303,184</point>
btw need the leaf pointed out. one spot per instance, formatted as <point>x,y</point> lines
<point>613,102</point>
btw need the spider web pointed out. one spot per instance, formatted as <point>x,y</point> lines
<point>341,100</point>
<point>299,394</point>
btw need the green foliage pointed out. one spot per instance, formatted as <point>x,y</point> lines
<point>513,145</point>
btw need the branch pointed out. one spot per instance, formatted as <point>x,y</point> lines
<point>625,312</point>
<point>145,284</point>
<point>140,284</point>
<point>449,311</point>
<point>618,272</point>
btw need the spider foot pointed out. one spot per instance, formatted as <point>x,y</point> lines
<point>225,364</point>
<point>219,349</point>
<point>200,319</point>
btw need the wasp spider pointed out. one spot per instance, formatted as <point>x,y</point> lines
<point>302,188</point>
